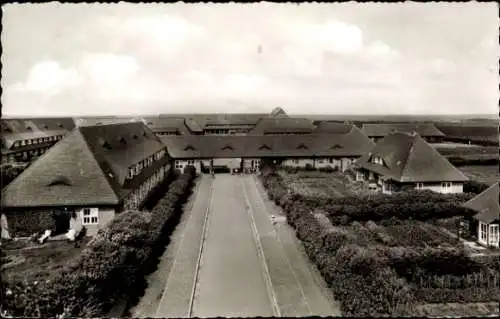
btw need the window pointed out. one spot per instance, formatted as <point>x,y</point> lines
<point>22,143</point>
<point>420,186</point>
<point>90,216</point>
<point>28,142</point>
<point>320,161</point>
<point>494,235</point>
<point>296,161</point>
<point>483,232</point>
<point>35,141</point>
<point>130,173</point>
<point>446,185</point>
<point>330,160</point>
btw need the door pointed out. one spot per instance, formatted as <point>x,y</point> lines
<point>61,221</point>
<point>493,240</point>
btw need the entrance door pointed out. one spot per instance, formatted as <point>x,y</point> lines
<point>61,221</point>
<point>493,240</point>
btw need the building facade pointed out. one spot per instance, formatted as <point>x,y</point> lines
<point>404,161</point>
<point>94,173</point>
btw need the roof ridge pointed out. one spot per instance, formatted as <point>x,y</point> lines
<point>408,154</point>
<point>93,153</point>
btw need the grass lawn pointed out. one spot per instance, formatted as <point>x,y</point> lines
<point>322,183</point>
<point>484,173</point>
<point>36,262</point>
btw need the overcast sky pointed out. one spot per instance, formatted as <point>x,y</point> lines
<point>401,58</point>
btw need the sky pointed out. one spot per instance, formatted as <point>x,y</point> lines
<point>336,58</point>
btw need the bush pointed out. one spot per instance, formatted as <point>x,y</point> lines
<point>374,280</point>
<point>309,167</point>
<point>474,187</point>
<point>108,268</point>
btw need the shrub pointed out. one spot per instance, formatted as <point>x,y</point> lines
<point>474,187</point>
<point>108,268</point>
<point>309,167</point>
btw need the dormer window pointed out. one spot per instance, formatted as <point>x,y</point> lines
<point>336,146</point>
<point>123,141</point>
<point>150,123</point>
<point>377,160</point>
<point>46,127</point>
<point>29,128</point>
<point>60,125</point>
<point>106,145</point>
<point>227,147</point>
<point>60,180</point>
<point>135,136</point>
<point>264,146</point>
<point>301,146</point>
<point>189,148</point>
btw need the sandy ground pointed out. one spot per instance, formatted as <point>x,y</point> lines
<point>247,268</point>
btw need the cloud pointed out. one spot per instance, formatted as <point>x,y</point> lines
<point>49,78</point>
<point>108,69</point>
<point>324,57</point>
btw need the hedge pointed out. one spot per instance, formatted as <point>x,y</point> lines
<point>107,269</point>
<point>375,280</point>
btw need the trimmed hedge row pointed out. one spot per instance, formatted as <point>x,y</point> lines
<point>374,280</point>
<point>107,269</point>
<point>363,284</point>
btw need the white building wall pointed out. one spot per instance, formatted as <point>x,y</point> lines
<point>181,164</point>
<point>301,162</point>
<point>105,216</point>
<point>455,188</point>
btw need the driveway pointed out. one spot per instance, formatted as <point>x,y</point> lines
<point>231,261</point>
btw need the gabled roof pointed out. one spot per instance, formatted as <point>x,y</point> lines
<point>27,125</point>
<point>103,120</point>
<point>141,142</point>
<point>196,122</point>
<point>486,204</point>
<point>278,112</point>
<point>383,129</point>
<point>167,124</point>
<point>30,128</point>
<point>93,160</point>
<point>409,158</point>
<point>353,144</point>
<point>333,128</point>
<point>283,125</point>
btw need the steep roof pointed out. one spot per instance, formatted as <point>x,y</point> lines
<point>409,158</point>
<point>354,143</point>
<point>167,124</point>
<point>28,125</point>
<point>486,204</point>
<point>278,112</point>
<point>95,161</point>
<point>332,128</point>
<point>122,145</point>
<point>196,122</point>
<point>68,174</point>
<point>283,125</point>
<point>30,128</point>
<point>103,120</point>
<point>383,129</point>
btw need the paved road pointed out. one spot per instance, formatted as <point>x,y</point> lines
<point>232,262</point>
<point>231,279</point>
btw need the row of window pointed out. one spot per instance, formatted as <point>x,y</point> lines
<point>445,185</point>
<point>180,164</point>
<point>35,141</point>
<point>140,193</point>
<point>137,168</point>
